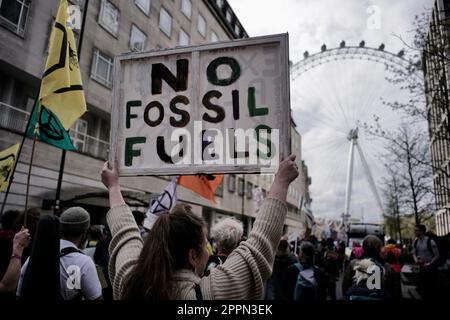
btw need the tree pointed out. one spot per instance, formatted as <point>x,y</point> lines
<point>410,181</point>
<point>394,194</point>
<point>428,53</point>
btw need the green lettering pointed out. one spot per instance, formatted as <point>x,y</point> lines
<point>129,116</point>
<point>252,109</point>
<point>130,153</point>
<point>268,142</point>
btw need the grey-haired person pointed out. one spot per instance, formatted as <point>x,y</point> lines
<point>227,234</point>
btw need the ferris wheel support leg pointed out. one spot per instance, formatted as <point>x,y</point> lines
<point>371,181</point>
<point>348,188</point>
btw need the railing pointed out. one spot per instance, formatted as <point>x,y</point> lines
<point>91,146</point>
<point>15,120</point>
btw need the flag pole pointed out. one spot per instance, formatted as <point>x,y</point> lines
<point>300,205</point>
<point>28,180</point>
<point>18,155</point>
<point>243,206</point>
<point>295,247</point>
<point>299,212</point>
<point>57,208</point>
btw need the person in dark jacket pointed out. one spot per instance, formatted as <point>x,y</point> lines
<point>372,246</point>
<point>307,252</point>
<point>101,259</point>
<point>283,260</point>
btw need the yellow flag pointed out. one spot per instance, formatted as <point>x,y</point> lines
<point>8,158</point>
<point>61,88</point>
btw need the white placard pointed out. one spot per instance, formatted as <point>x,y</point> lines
<point>215,108</point>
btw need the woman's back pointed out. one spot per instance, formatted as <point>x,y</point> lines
<point>134,273</point>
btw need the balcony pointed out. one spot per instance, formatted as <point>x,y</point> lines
<point>89,145</point>
<point>15,120</point>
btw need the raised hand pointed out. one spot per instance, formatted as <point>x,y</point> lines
<point>287,171</point>
<point>110,176</point>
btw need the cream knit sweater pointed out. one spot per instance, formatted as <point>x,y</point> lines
<point>242,276</point>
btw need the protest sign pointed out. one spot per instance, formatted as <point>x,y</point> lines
<point>216,108</point>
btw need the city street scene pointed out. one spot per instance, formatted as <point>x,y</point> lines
<point>238,150</point>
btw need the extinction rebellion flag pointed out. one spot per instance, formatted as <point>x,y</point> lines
<point>61,98</point>
<point>163,204</point>
<point>8,158</point>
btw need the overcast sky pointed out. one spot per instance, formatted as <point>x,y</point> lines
<point>329,100</point>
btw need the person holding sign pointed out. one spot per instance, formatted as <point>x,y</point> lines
<point>170,263</point>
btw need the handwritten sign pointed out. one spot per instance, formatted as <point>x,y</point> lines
<point>215,108</point>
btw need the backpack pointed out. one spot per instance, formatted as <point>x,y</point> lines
<point>362,292</point>
<point>306,288</point>
<point>369,296</point>
<point>441,244</point>
<point>64,252</point>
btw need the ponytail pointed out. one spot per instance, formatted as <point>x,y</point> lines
<point>165,251</point>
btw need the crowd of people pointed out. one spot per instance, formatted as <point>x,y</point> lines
<point>66,258</point>
<point>369,271</point>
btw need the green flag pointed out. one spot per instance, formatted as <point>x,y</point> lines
<point>50,128</point>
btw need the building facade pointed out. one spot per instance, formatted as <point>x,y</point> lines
<point>436,57</point>
<point>112,27</point>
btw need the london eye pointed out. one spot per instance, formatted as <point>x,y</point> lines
<point>338,95</point>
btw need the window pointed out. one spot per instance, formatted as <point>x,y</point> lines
<point>183,38</point>
<point>144,5</point>
<point>78,134</point>
<point>186,8</point>
<point>219,190</point>
<point>229,15</point>
<point>249,190</point>
<point>137,39</point>
<point>219,3</point>
<point>13,15</point>
<point>232,183</point>
<point>109,17</point>
<point>102,66</point>
<point>105,129</point>
<point>214,37</point>
<point>165,22</point>
<point>237,29</point>
<point>241,187</point>
<point>29,104</point>
<point>201,25</point>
